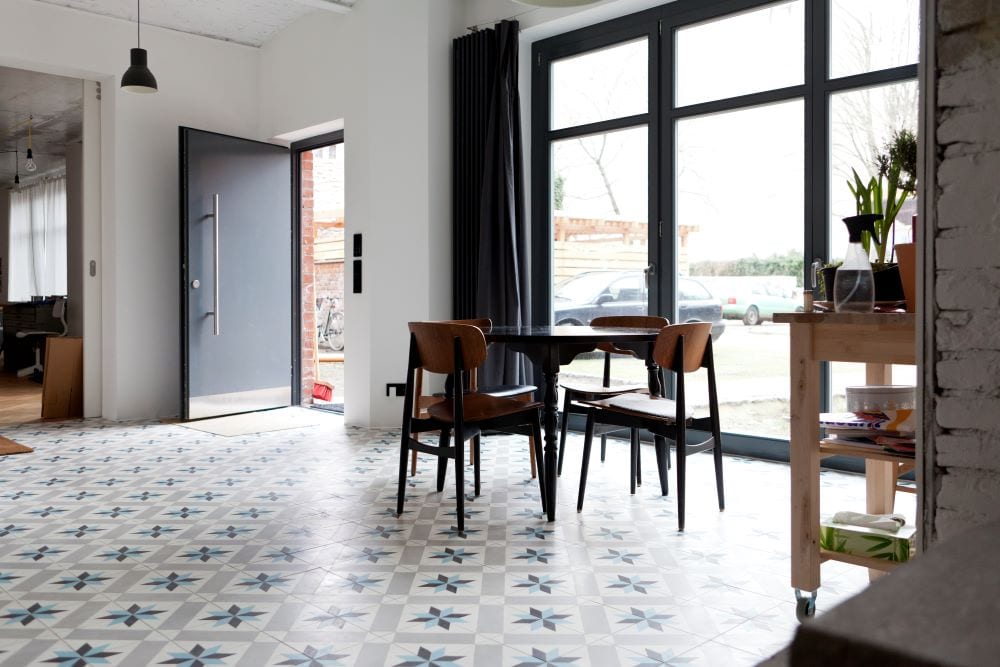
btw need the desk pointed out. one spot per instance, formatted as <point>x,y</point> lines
<point>878,340</point>
<point>552,346</point>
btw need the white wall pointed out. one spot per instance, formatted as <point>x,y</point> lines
<point>74,238</point>
<point>204,83</point>
<point>4,241</point>
<point>384,69</point>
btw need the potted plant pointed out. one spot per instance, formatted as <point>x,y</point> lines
<point>885,194</point>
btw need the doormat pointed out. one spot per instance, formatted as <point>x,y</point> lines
<point>257,422</point>
<point>336,408</point>
<point>8,446</point>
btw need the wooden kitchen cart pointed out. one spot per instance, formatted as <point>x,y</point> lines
<point>878,340</point>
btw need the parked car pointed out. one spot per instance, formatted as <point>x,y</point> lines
<point>591,294</point>
<point>759,303</point>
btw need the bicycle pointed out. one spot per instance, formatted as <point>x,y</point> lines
<point>330,324</point>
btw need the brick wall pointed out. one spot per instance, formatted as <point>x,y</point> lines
<point>962,474</point>
<point>308,279</point>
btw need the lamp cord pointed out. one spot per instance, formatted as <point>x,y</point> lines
<point>138,21</point>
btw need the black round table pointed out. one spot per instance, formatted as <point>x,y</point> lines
<point>549,347</point>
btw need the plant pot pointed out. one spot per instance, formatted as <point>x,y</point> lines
<point>906,255</point>
<point>888,284</point>
<point>828,273</point>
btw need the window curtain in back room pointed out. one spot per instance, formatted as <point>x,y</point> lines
<point>490,253</point>
<point>37,235</point>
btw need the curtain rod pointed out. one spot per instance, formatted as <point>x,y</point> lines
<point>477,26</point>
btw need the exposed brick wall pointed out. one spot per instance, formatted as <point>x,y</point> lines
<point>308,279</point>
<point>963,444</point>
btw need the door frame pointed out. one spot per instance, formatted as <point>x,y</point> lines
<point>297,149</point>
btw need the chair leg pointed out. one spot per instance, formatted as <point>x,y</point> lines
<point>443,460</point>
<point>404,447</point>
<point>638,459</point>
<point>633,458</point>
<point>604,446</point>
<point>717,454</point>
<point>531,457</point>
<point>459,483</point>
<point>660,444</point>
<point>588,438</point>
<point>536,449</point>
<point>475,466</point>
<point>681,482</point>
<point>562,430</point>
<point>413,463</point>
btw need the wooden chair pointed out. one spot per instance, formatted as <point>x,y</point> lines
<point>575,393</point>
<point>681,349</point>
<point>453,349</point>
<point>521,392</point>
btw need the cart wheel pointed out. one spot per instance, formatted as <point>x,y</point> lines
<point>805,605</point>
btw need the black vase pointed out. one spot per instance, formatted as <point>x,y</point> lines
<point>829,273</point>
<point>888,284</point>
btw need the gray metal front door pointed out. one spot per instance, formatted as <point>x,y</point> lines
<point>236,269</point>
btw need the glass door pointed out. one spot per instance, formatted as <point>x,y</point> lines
<point>599,192</point>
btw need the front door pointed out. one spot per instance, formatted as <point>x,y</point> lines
<point>236,269</point>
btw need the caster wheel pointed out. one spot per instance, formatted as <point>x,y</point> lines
<point>805,606</point>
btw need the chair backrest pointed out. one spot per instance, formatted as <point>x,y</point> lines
<point>627,322</point>
<point>436,345</point>
<point>696,336</point>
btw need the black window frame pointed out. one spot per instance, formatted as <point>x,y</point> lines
<point>660,24</point>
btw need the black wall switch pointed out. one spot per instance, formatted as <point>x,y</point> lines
<point>357,245</point>
<point>357,276</point>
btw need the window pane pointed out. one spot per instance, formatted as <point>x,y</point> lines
<point>600,226</point>
<point>861,122</point>
<point>743,53</point>
<point>866,36</point>
<point>601,85</point>
<point>740,235</point>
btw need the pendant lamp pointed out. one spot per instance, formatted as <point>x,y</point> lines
<point>138,78</point>
<point>17,173</point>
<point>29,162</point>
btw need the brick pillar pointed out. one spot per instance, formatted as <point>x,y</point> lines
<point>309,354</point>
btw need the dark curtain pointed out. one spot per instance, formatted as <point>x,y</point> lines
<point>490,238</point>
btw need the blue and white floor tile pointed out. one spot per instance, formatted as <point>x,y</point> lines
<point>146,544</point>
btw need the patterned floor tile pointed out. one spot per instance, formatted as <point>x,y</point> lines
<point>149,543</point>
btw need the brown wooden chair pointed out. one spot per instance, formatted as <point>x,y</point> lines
<point>681,349</point>
<point>453,349</point>
<point>521,392</point>
<point>577,392</point>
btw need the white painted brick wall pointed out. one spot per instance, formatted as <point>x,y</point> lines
<point>965,444</point>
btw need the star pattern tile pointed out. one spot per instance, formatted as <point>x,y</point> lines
<point>153,544</point>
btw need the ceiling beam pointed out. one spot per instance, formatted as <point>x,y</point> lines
<point>329,5</point>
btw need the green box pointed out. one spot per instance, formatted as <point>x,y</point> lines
<point>871,542</point>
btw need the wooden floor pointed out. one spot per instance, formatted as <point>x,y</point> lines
<point>20,399</point>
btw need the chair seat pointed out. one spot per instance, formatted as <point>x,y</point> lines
<point>479,407</point>
<point>641,404</point>
<point>508,390</point>
<point>597,390</point>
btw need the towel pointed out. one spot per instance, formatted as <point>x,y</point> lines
<point>888,522</point>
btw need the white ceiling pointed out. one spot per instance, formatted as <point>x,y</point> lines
<point>250,22</point>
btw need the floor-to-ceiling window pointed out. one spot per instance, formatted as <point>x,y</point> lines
<point>751,115</point>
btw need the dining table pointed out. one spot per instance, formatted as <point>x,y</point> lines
<point>549,347</point>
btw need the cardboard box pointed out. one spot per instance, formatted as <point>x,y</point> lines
<point>871,542</point>
<point>62,378</point>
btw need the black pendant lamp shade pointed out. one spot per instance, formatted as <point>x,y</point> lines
<point>138,78</point>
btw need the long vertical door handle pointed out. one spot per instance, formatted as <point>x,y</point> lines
<point>215,219</point>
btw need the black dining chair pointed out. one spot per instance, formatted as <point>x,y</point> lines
<point>522,392</point>
<point>451,350</point>
<point>681,349</point>
<point>575,393</point>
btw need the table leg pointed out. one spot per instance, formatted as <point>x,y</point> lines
<point>804,459</point>
<point>880,476</point>
<point>550,394</point>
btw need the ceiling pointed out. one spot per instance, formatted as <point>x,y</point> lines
<point>55,105</point>
<point>250,22</point>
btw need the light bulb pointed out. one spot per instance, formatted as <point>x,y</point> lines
<point>29,164</point>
